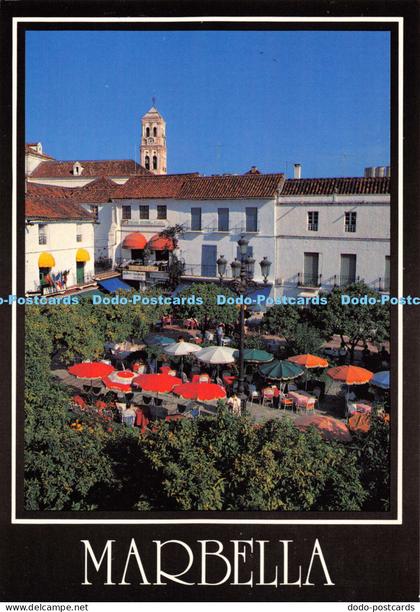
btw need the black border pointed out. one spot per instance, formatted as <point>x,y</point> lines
<point>352,548</point>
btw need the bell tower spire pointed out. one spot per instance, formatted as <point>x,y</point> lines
<point>153,141</point>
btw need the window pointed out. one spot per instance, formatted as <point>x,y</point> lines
<point>42,233</point>
<point>155,165</point>
<point>313,220</point>
<point>147,162</point>
<point>155,131</point>
<point>161,211</point>
<point>147,132</point>
<point>126,212</point>
<point>310,269</point>
<point>196,219</point>
<point>144,212</point>
<point>348,270</point>
<point>79,232</point>
<point>208,260</point>
<point>350,222</point>
<point>223,219</point>
<point>94,210</point>
<point>251,219</point>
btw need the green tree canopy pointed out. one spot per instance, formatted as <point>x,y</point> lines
<point>209,312</point>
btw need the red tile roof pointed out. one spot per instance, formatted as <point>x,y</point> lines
<point>106,167</point>
<point>193,187</point>
<point>55,209</point>
<point>98,191</point>
<point>163,186</point>
<point>36,190</point>
<point>341,186</point>
<point>232,187</point>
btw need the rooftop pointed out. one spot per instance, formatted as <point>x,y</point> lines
<point>105,167</point>
<point>339,186</point>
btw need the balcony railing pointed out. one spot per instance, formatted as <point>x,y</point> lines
<point>384,284</point>
<point>343,281</point>
<point>151,222</point>
<point>214,228</point>
<point>309,280</point>
<point>102,265</point>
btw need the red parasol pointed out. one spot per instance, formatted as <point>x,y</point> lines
<point>159,383</point>
<point>351,375</point>
<point>90,370</point>
<point>309,361</point>
<point>116,386</point>
<point>200,391</point>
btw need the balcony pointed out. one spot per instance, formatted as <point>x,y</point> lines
<point>214,228</point>
<point>145,222</point>
<point>344,281</point>
<point>309,280</point>
<point>103,264</point>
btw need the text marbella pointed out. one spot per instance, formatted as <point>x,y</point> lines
<point>205,563</point>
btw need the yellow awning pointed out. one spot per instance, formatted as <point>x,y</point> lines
<point>46,260</point>
<point>82,255</point>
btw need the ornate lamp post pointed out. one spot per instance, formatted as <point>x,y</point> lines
<point>242,280</point>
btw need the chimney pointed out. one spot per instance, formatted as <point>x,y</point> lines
<point>297,172</point>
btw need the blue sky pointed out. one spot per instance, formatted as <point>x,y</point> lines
<point>230,99</point>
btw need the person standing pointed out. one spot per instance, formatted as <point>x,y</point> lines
<point>219,334</point>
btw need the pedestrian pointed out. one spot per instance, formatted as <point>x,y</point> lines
<point>235,404</point>
<point>219,334</point>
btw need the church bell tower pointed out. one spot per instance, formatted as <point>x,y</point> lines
<point>153,142</point>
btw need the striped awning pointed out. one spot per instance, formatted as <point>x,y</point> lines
<point>46,260</point>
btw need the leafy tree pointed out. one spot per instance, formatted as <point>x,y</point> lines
<point>62,465</point>
<point>209,312</point>
<point>281,320</point>
<point>305,339</point>
<point>373,453</point>
<point>354,323</point>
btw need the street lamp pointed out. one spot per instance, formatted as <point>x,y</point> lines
<point>242,279</point>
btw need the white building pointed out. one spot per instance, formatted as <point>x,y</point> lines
<point>59,244</point>
<point>331,232</point>
<point>214,212</point>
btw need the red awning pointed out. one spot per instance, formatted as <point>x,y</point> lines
<point>135,240</point>
<point>161,243</point>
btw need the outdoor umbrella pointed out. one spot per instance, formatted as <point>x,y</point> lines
<point>159,383</point>
<point>381,380</point>
<point>328,427</point>
<point>113,385</point>
<point>200,391</point>
<point>123,377</point>
<point>255,356</point>
<point>180,349</point>
<point>351,375</point>
<point>281,370</point>
<point>308,361</point>
<point>155,339</point>
<point>216,355</point>
<point>122,350</point>
<point>90,370</point>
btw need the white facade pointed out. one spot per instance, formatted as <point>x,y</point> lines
<point>62,240</point>
<point>369,243</point>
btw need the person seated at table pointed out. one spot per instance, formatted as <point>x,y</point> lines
<point>276,396</point>
<point>234,404</point>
